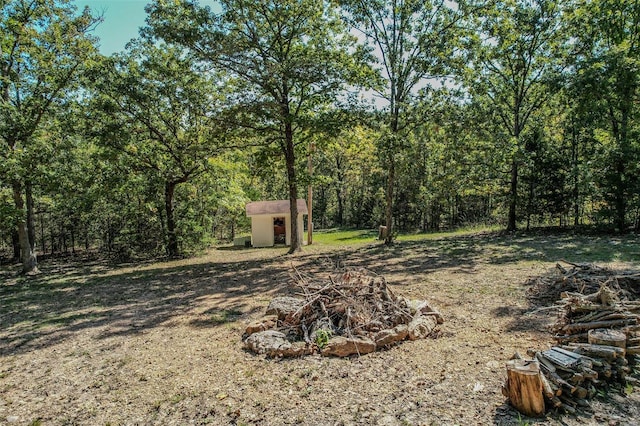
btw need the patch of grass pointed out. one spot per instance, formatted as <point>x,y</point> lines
<point>225,316</point>
<point>177,398</point>
<point>522,422</point>
<point>322,338</point>
<point>344,236</point>
<point>446,234</point>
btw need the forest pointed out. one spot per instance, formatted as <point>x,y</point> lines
<point>421,115</point>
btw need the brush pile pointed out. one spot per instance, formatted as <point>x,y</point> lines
<point>582,278</point>
<point>353,312</point>
<point>597,331</point>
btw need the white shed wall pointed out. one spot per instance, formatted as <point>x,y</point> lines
<point>300,230</point>
<point>262,231</point>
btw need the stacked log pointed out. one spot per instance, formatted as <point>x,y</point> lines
<point>597,334</point>
<point>582,314</point>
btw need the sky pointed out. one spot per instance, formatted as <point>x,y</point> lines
<point>122,18</point>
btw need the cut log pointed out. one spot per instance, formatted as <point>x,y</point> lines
<point>547,389</point>
<point>633,350</point>
<point>605,336</point>
<point>580,337</point>
<point>583,326</point>
<point>598,351</point>
<point>633,341</point>
<point>524,387</point>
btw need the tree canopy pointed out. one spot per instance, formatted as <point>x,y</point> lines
<point>425,116</point>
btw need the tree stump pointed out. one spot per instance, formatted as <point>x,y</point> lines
<point>609,337</point>
<point>524,387</point>
<point>382,232</point>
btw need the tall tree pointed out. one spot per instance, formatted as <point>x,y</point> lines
<point>415,40</point>
<point>161,110</point>
<point>607,35</point>
<point>44,45</point>
<point>287,57</point>
<point>513,65</point>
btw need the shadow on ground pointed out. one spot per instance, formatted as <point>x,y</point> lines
<point>40,311</point>
<point>43,310</point>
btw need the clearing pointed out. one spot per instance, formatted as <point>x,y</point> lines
<point>90,343</point>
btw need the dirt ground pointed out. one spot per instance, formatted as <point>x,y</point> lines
<point>89,343</point>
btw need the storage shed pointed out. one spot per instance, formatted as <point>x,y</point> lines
<point>271,222</point>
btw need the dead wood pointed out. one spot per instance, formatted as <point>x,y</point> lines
<point>355,305</point>
<point>597,330</point>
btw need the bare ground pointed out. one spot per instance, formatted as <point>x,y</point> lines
<point>159,343</point>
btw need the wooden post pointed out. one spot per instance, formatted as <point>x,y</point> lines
<point>524,387</point>
<point>312,148</point>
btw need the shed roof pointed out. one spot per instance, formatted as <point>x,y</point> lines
<point>274,207</point>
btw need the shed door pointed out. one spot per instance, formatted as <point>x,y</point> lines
<point>279,230</point>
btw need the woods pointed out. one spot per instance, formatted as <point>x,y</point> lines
<point>424,116</point>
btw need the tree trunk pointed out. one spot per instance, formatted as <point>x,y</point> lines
<point>575,174</point>
<point>43,246</point>
<point>15,242</point>
<point>620,202</point>
<point>172,239</point>
<point>388,210</point>
<point>340,193</point>
<point>290,159</point>
<point>31,223</point>
<point>513,197</point>
<point>27,254</point>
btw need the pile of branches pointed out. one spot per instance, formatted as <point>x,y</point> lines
<point>355,303</point>
<point>583,278</point>
<point>353,311</point>
<point>604,309</point>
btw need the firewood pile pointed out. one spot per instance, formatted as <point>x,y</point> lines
<point>353,312</point>
<point>598,337</point>
<point>583,278</point>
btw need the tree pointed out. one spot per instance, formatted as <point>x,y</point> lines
<point>513,65</point>
<point>287,58</point>
<point>607,35</point>
<point>161,111</point>
<point>44,46</point>
<point>415,40</point>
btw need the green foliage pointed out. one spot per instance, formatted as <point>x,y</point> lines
<point>484,114</point>
<point>322,338</point>
<point>285,59</point>
<point>417,41</point>
<point>606,82</point>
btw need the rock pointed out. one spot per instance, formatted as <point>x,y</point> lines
<point>267,342</point>
<point>283,306</point>
<point>422,307</point>
<point>391,335</point>
<point>297,349</point>
<point>13,419</point>
<point>421,326</point>
<point>275,344</point>
<point>342,346</point>
<point>267,323</point>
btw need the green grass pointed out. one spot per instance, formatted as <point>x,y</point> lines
<point>225,315</point>
<point>337,236</point>
<point>343,236</point>
<point>498,247</point>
